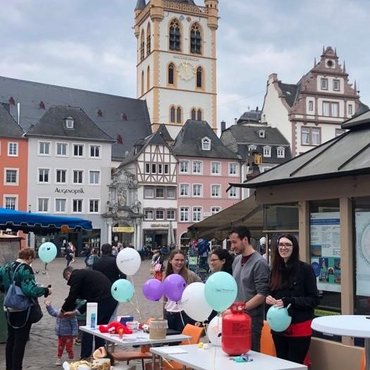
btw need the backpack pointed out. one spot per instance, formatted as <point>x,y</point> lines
<point>15,298</point>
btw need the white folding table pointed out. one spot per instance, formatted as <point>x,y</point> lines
<point>346,325</point>
<point>214,358</point>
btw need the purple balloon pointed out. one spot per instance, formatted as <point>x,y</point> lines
<point>173,287</point>
<point>153,289</point>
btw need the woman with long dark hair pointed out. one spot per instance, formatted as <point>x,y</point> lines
<point>220,260</point>
<point>175,315</point>
<point>292,285</point>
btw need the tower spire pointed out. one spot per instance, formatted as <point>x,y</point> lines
<point>140,4</point>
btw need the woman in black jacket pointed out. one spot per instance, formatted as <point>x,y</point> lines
<point>293,285</point>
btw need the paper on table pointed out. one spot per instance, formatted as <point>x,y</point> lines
<point>175,350</point>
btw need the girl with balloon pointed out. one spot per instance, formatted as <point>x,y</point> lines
<point>293,297</point>
<point>176,277</point>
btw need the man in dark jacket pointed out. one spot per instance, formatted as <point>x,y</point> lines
<point>93,286</point>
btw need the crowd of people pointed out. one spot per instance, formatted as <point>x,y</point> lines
<point>288,283</point>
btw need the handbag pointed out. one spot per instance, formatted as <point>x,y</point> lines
<point>14,298</point>
<point>36,312</point>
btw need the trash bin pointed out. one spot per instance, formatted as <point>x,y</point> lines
<point>3,325</point>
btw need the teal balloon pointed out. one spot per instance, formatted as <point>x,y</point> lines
<point>278,318</point>
<point>122,290</point>
<point>220,290</point>
<point>47,252</point>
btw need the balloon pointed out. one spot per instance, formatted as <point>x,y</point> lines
<point>214,331</point>
<point>278,318</point>
<point>153,289</point>
<point>173,286</point>
<point>194,302</point>
<point>47,252</point>
<point>128,261</point>
<point>122,290</point>
<point>220,290</point>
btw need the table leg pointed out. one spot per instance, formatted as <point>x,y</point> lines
<point>367,353</point>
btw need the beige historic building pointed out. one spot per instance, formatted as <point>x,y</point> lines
<point>176,61</point>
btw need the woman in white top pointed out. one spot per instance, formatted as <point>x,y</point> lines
<point>173,311</point>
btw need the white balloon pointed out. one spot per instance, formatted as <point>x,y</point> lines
<point>194,302</point>
<point>128,261</point>
<point>214,331</point>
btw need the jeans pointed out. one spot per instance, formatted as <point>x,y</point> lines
<point>17,340</point>
<point>106,308</point>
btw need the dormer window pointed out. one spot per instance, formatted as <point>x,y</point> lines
<point>206,143</point>
<point>251,148</point>
<point>267,151</point>
<point>69,122</point>
<point>262,134</point>
<point>280,152</point>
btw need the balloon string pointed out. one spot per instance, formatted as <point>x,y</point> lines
<point>136,300</point>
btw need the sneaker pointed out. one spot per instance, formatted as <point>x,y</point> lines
<point>58,362</point>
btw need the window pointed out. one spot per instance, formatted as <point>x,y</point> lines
<point>153,168</point>
<point>94,177</point>
<point>324,84</point>
<point>170,214</point>
<point>148,192</point>
<point>184,214</point>
<point>10,202</point>
<point>142,45</point>
<point>197,167</point>
<point>310,106</point>
<point>197,214</point>
<point>178,115</point>
<point>171,193</point>
<point>330,109</point>
<point>78,176</point>
<point>147,168</point>
<point>184,190</point>
<point>77,205</point>
<point>251,148</point>
<point>310,136</point>
<point>172,114</point>
<point>280,152</point>
<point>60,205</point>
<point>11,177</point>
<point>43,205</point>
<point>197,190</point>
<point>61,149</point>
<point>233,168</point>
<point>215,168</point>
<point>336,85</point>
<point>69,122</point>
<point>215,191</point>
<point>148,40</point>
<point>159,192</point>
<point>43,175</point>
<point>148,78</point>
<point>193,114</point>
<point>215,210</point>
<point>166,169</point>
<point>159,214</point>
<point>171,74</point>
<point>206,143</point>
<point>267,151</point>
<point>78,150</point>
<point>195,39</point>
<point>44,148</point>
<point>148,214</point>
<point>175,36</point>
<point>184,166</point>
<point>233,192</point>
<point>61,176</point>
<point>12,149</point>
<point>94,205</point>
<point>95,151</point>
<point>199,77</point>
<point>350,109</point>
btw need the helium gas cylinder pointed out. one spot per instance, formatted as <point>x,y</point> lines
<point>236,336</point>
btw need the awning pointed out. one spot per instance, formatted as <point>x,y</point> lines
<point>247,213</point>
<point>39,222</point>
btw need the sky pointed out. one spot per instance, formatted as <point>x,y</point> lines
<point>90,45</point>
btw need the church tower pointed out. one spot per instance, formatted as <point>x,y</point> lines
<point>177,61</point>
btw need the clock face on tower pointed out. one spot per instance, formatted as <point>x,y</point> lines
<point>186,71</point>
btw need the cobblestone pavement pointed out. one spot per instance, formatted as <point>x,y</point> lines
<point>41,349</point>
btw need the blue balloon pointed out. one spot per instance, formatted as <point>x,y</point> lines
<point>220,290</point>
<point>47,252</point>
<point>122,290</point>
<point>278,318</point>
<point>316,268</point>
